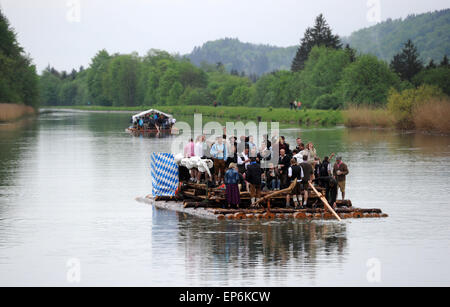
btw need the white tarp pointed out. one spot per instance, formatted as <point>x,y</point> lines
<point>142,114</point>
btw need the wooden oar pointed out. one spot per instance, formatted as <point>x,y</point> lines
<point>325,201</point>
<point>285,191</point>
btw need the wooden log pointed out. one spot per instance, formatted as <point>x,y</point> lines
<point>357,215</point>
<point>269,216</point>
<point>221,217</point>
<point>325,202</point>
<point>300,215</point>
<point>280,216</point>
<point>250,216</point>
<point>230,216</point>
<point>271,195</point>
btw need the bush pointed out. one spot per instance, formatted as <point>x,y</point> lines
<point>327,102</point>
<point>402,104</point>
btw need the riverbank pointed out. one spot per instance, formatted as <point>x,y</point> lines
<point>431,117</point>
<point>12,112</point>
<point>281,115</point>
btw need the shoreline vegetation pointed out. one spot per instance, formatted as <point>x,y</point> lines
<point>10,112</point>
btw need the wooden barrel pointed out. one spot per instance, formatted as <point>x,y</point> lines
<point>221,217</point>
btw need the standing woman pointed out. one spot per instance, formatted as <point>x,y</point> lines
<point>232,187</point>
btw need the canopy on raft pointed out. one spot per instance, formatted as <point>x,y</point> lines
<point>145,113</point>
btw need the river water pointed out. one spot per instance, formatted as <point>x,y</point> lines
<point>68,184</point>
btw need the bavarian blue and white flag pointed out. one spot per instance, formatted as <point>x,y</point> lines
<point>164,172</point>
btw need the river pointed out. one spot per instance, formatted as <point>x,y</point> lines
<point>69,180</point>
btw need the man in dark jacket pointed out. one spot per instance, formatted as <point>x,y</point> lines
<point>283,165</point>
<point>308,173</point>
<point>253,177</point>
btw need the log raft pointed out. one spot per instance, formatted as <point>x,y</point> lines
<point>197,200</point>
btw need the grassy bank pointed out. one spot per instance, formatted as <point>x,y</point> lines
<point>432,116</point>
<point>286,116</point>
<point>11,112</point>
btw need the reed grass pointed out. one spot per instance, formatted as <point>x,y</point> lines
<point>11,112</point>
<point>433,116</point>
<point>363,116</point>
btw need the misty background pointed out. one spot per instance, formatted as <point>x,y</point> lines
<point>68,33</point>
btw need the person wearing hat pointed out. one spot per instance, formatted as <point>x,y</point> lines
<point>340,172</point>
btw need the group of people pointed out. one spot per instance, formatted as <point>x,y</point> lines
<point>152,121</point>
<point>244,166</point>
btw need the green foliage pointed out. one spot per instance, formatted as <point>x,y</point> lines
<point>367,81</point>
<point>402,104</point>
<point>407,63</point>
<point>319,35</point>
<point>439,76</point>
<point>18,78</point>
<point>327,102</point>
<point>322,73</point>
<point>385,39</point>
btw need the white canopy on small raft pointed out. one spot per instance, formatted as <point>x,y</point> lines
<point>143,114</point>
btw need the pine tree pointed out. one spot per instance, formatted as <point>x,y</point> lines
<point>351,52</point>
<point>431,65</point>
<point>407,63</point>
<point>319,35</point>
<point>444,62</point>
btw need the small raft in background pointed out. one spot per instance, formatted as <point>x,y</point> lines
<point>201,201</point>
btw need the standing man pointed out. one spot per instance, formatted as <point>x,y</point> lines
<point>253,177</point>
<point>307,174</point>
<point>219,154</point>
<point>295,173</point>
<point>340,172</point>
<point>283,166</point>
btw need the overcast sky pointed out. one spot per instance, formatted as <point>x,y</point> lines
<point>68,33</point>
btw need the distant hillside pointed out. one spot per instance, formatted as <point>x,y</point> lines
<point>430,32</point>
<point>244,57</point>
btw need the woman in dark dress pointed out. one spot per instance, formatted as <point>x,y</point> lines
<point>232,187</point>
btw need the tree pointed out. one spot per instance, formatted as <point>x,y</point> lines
<point>444,62</point>
<point>96,78</point>
<point>438,76</point>
<point>319,35</point>
<point>407,63</point>
<point>367,81</point>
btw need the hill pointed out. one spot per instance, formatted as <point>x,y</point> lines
<point>244,57</point>
<point>429,32</point>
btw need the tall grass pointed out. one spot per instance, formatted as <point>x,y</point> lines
<point>363,116</point>
<point>10,112</point>
<point>433,116</point>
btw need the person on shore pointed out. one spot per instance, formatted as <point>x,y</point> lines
<point>283,166</point>
<point>295,173</point>
<point>340,172</point>
<point>232,186</point>
<point>253,177</point>
<point>308,173</point>
<point>219,154</point>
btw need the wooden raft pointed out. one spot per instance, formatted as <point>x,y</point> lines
<point>211,200</point>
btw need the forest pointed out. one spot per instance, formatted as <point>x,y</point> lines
<point>324,74</point>
<point>18,77</point>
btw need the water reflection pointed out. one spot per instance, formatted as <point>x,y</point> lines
<point>252,246</point>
